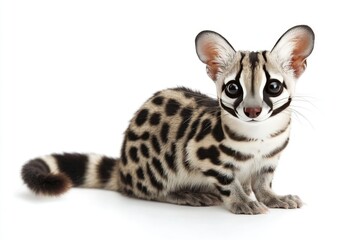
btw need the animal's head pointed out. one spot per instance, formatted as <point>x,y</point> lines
<point>254,86</point>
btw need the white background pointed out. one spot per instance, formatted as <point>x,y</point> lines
<point>73,73</point>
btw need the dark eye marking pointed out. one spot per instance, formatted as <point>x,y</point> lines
<point>233,89</point>
<point>274,87</point>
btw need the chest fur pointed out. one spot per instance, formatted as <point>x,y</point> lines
<point>243,149</point>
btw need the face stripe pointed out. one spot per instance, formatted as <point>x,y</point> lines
<point>253,59</point>
<point>264,55</point>
<point>265,95</point>
<point>230,110</point>
<point>237,102</point>
<point>237,79</point>
<point>280,109</point>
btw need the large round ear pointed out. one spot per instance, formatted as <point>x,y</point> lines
<point>292,49</point>
<point>213,50</point>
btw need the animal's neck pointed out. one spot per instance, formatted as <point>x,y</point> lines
<point>256,130</point>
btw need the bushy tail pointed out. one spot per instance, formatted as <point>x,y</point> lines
<point>55,174</point>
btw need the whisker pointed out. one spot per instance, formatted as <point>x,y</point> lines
<point>300,116</point>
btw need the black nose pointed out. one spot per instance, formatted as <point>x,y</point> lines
<point>252,112</point>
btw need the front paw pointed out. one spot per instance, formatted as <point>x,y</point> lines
<point>287,202</point>
<point>251,208</point>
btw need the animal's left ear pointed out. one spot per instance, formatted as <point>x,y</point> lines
<point>292,49</point>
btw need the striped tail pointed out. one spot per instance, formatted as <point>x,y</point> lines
<point>55,174</point>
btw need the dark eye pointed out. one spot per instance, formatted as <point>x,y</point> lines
<point>274,87</point>
<point>233,89</point>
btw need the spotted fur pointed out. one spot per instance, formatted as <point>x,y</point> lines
<point>184,147</point>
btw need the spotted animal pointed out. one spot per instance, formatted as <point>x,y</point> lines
<point>186,148</point>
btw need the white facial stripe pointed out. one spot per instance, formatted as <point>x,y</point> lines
<point>229,78</point>
<point>242,83</point>
<point>262,85</point>
<point>276,76</point>
<point>229,102</point>
<point>280,100</point>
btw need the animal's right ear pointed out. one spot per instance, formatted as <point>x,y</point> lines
<point>213,50</point>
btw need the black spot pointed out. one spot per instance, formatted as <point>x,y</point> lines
<point>158,167</point>
<point>229,166</point>
<point>140,173</point>
<point>123,154</point>
<point>218,132</point>
<point>170,158</point>
<point>154,182</point>
<point>133,152</point>
<point>205,130</point>
<point>73,165</point>
<point>155,144</point>
<point>221,178</point>
<point>129,192</point>
<point>142,188</point>
<point>144,150</point>
<point>126,179</point>
<point>172,107</point>
<point>164,132</point>
<point>211,153</point>
<point>145,136</point>
<point>193,130</point>
<point>268,169</point>
<point>186,164</point>
<point>223,192</point>
<point>141,117</point>
<point>186,115</point>
<point>155,119</point>
<point>122,178</point>
<point>105,168</point>
<point>158,100</point>
<point>132,136</point>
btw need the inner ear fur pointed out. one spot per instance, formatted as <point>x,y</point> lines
<point>213,50</point>
<point>293,47</point>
